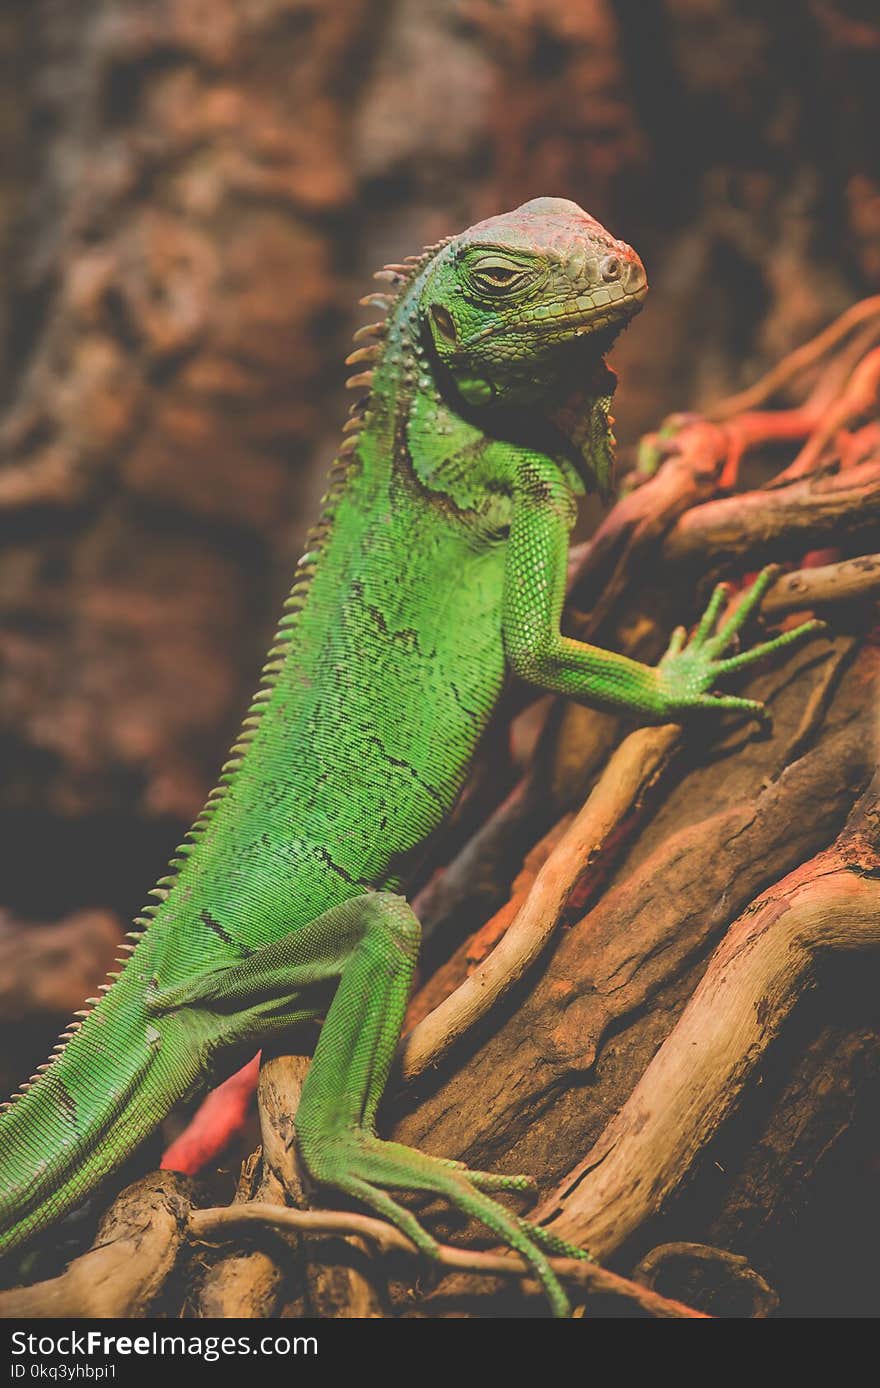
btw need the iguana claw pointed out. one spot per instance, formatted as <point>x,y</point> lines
<point>689,669</point>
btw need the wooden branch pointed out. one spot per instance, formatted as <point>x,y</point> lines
<point>476,874</point>
<point>675,510</point>
<point>443,982</point>
<point>574,746</point>
<point>817,510</point>
<point>635,940</point>
<point>849,580</point>
<point>693,463</point>
<point>753,982</point>
<point>231,1221</point>
<point>724,1280</point>
<point>859,400</point>
<point>797,362</point>
<point>124,1272</point>
<point>532,897</point>
<point>627,780</point>
<point>348,1281</point>
<point>250,1283</point>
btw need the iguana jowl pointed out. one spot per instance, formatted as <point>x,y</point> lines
<point>438,565</point>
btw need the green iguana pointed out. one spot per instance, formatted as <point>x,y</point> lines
<point>437,566</point>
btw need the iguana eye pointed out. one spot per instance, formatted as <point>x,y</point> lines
<point>496,275</point>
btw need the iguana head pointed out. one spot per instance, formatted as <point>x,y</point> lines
<point>506,301</point>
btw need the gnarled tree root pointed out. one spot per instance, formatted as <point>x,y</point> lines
<point>755,977</point>
<point>125,1271</point>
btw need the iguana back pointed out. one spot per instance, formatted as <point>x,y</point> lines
<point>387,663</point>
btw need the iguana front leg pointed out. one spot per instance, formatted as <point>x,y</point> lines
<point>366,949</point>
<point>534,593</point>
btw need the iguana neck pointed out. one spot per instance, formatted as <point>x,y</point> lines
<point>421,420</point>
<point>411,423</point>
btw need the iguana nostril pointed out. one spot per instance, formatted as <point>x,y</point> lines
<point>611,268</point>
<point>444,321</point>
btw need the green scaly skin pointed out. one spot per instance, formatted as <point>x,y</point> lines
<point>437,567</point>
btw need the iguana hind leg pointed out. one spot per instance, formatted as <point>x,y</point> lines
<point>368,946</point>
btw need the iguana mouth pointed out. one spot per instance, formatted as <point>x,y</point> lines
<point>594,319</point>
<point>585,318</point>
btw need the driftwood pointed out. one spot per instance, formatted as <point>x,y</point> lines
<point>640,921</point>
<point>721,1276</point>
<point>134,1254</point>
<point>767,959</point>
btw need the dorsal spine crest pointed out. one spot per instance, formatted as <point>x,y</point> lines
<point>370,343</point>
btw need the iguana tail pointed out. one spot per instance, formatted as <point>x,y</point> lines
<point>84,1113</point>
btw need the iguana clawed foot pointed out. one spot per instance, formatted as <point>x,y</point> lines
<point>366,1168</point>
<point>689,670</point>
